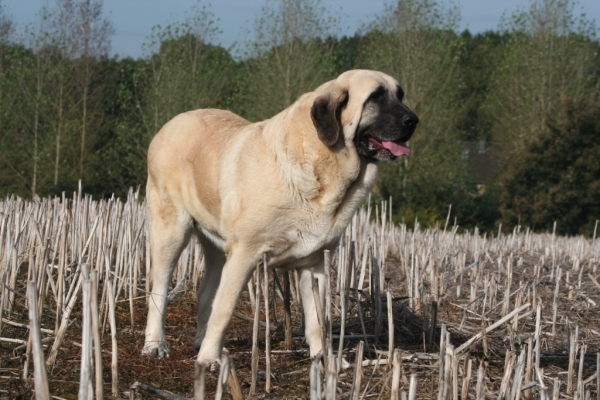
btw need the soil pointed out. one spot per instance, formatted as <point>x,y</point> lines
<point>290,371</point>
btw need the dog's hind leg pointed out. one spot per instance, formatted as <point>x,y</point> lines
<point>236,273</point>
<point>170,231</point>
<point>214,259</point>
<point>312,331</point>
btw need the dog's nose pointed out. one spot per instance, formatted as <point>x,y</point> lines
<point>410,120</point>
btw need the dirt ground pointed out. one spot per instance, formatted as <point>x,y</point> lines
<point>290,371</point>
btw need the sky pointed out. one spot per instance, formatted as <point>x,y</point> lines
<point>133,19</point>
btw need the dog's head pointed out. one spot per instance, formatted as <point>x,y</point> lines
<point>366,108</point>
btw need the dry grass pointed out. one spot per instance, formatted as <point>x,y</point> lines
<point>474,280</point>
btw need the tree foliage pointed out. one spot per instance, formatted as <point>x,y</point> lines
<point>557,177</point>
<point>288,55</point>
<point>70,112</point>
<point>55,120</point>
<point>549,55</point>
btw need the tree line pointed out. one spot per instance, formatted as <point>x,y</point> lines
<point>69,112</point>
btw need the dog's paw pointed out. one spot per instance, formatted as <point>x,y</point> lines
<point>214,367</point>
<point>155,349</point>
<point>213,362</point>
<point>345,363</point>
<point>210,365</point>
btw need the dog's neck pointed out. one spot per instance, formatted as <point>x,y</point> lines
<point>331,178</point>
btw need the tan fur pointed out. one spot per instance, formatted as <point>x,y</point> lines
<point>251,188</point>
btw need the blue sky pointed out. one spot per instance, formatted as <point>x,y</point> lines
<point>134,19</point>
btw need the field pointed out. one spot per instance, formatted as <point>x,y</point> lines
<point>422,313</point>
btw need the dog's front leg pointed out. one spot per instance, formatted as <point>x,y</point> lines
<point>311,321</point>
<point>235,276</point>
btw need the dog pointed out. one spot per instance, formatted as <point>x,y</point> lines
<point>286,187</point>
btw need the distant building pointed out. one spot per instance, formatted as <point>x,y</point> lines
<point>483,161</point>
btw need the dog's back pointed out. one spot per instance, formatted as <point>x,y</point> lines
<point>181,164</point>
<point>180,140</point>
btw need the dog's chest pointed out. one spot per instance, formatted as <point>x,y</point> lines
<point>320,227</point>
<point>301,244</point>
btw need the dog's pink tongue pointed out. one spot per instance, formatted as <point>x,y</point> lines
<point>397,148</point>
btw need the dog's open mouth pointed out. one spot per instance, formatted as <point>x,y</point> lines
<point>396,147</point>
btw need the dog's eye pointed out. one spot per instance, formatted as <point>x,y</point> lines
<point>377,94</point>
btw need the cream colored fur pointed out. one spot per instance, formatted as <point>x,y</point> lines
<point>251,188</point>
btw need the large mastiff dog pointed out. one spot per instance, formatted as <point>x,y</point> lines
<point>286,187</point>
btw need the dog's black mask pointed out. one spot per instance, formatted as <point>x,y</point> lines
<point>385,126</point>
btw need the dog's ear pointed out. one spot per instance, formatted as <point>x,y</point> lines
<point>326,114</point>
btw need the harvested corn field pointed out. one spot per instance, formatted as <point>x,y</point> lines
<point>421,313</point>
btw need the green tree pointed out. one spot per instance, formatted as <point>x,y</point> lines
<point>346,51</point>
<point>15,139</point>
<point>122,159</point>
<point>61,20</point>
<point>124,142</point>
<point>7,51</point>
<point>482,53</point>
<point>89,34</point>
<point>32,71</point>
<point>185,71</point>
<point>550,54</point>
<point>60,121</point>
<point>557,176</point>
<point>288,56</point>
